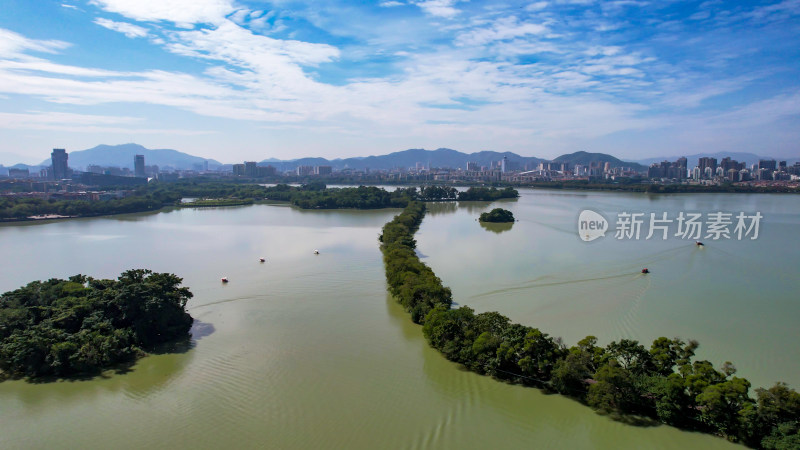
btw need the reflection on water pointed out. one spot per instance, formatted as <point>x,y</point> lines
<point>201,329</point>
<point>437,208</point>
<point>496,227</point>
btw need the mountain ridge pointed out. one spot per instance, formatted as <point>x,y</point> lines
<point>122,156</point>
<point>441,157</point>
<point>584,158</point>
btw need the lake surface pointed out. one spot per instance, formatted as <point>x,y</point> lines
<point>738,298</point>
<point>308,351</point>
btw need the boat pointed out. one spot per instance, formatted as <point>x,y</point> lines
<point>262,259</point>
<point>316,252</point>
<point>645,270</point>
<point>224,279</point>
<point>698,243</point>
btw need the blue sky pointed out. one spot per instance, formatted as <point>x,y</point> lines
<point>236,80</point>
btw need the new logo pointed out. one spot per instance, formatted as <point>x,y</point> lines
<point>591,225</point>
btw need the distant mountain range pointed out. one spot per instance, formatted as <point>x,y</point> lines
<point>443,157</point>
<point>122,156</point>
<point>584,158</point>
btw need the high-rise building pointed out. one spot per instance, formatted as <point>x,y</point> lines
<point>323,170</point>
<point>267,171</point>
<point>472,167</point>
<point>504,164</point>
<point>18,173</point>
<point>60,166</point>
<point>138,166</point>
<point>708,166</point>
<point>768,164</point>
<point>250,169</point>
<point>304,171</point>
<point>238,170</point>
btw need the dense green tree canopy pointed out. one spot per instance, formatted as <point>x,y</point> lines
<point>83,325</point>
<point>497,215</point>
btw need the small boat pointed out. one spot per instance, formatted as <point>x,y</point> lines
<point>224,279</point>
<point>698,243</point>
<point>262,259</point>
<point>645,270</point>
<point>316,252</point>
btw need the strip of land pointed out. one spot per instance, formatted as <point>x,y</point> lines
<point>633,383</point>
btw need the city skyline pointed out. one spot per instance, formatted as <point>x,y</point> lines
<point>286,80</point>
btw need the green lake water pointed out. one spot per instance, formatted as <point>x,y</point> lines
<point>308,351</point>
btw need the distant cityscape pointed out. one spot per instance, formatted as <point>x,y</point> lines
<point>60,181</point>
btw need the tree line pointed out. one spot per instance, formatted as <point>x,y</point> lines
<point>663,382</point>
<point>84,325</point>
<point>317,196</point>
<point>314,195</point>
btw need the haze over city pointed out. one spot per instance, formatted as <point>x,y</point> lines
<point>242,80</point>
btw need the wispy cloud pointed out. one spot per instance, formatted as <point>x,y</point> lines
<point>84,123</point>
<point>129,30</point>
<point>441,71</point>
<point>182,12</point>
<point>12,44</point>
<point>501,29</point>
<point>438,8</point>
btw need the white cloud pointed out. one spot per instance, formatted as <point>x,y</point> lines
<point>490,61</point>
<point>776,11</point>
<point>240,16</point>
<point>65,5</point>
<point>502,29</point>
<point>692,92</point>
<point>761,112</point>
<point>391,4</point>
<point>236,45</point>
<point>438,8</point>
<point>609,50</point>
<point>700,15</point>
<point>12,43</point>
<point>129,30</point>
<point>536,6</point>
<point>182,12</point>
<point>83,123</point>
<point>39,118</point>
<point>27,63</point>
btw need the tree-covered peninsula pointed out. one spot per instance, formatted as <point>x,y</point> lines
<point>497,215</point>
<point>83,325</point>
<point>662,383</point>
